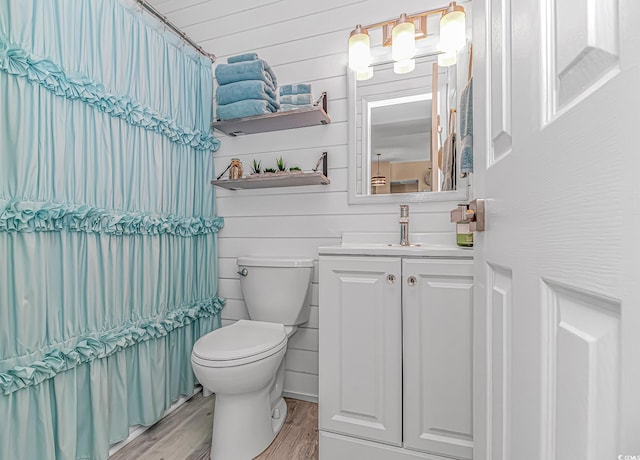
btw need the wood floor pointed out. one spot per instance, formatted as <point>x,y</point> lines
<point>186,434</point>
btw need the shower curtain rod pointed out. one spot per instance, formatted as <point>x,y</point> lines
<point>144,4</point>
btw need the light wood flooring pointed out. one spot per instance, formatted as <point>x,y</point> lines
<point>185,434</point>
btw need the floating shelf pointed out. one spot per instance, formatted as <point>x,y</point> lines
<point>307,116</point>
<point>277,180</point>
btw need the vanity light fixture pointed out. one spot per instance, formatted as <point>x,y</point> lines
<point>452,29</point>
<point>407,66</point>
<point>359,49</point>
<point>403,45</point>
<point>401,35</point>
<point>365,74</point>
<point>378,180</point>
<point>447,59</point>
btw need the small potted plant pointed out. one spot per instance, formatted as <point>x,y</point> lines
<point>295,170</point>
<point>269,171</point>
<point>281,165</point>
<point>256,168</point>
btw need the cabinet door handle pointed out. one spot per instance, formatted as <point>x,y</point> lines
<point>412,281</point>
<point>391,279</point>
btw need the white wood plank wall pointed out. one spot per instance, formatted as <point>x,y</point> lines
<point>306,42</point>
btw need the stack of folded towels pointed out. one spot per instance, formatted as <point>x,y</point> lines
<point>293,97</point>
<point>246,87</point>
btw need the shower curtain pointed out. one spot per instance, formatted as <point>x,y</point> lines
<point>108,263</point>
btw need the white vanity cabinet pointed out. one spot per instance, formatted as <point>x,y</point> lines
<point>360,347</point>
<point>437,336</point>
<point>395,357</point>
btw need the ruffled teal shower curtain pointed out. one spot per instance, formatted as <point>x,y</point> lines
<point>108,233</point>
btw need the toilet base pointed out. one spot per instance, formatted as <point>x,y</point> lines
<point>241,426</point>
<point>246,433</point>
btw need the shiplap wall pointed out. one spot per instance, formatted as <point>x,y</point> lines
<point>303,41</point>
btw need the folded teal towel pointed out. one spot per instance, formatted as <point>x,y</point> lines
<point>246,70</point>
<point>299,88</point>
<point>247,89</point>
<point>242,58</point>
<point>287,107</point>
<point>466,128</point>
<point>246,108</point>
<point>300,99</point>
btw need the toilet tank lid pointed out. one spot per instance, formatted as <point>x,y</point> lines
<point>274,262</point>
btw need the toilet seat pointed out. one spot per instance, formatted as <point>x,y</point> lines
<point>240,343</point>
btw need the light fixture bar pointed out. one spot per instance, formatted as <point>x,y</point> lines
<point>412,17</point>
<point>419,22</point>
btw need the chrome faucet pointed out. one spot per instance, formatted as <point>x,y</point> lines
<point>404,225</point>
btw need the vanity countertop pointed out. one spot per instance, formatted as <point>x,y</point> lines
<point>441,245</point>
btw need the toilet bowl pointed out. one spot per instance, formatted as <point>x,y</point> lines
<point>243,363</point>
<point>240,364</point>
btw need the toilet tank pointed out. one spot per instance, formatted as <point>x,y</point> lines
<point>276,289</point>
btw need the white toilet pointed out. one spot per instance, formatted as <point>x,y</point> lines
<point>243,363</point>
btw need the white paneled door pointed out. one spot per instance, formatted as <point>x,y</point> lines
<point>557,273</point>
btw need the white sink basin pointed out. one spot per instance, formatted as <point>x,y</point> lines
<point>386,244</point>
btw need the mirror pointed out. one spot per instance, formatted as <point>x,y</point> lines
<point>397,117</point>
<point>399,131</point>
<point>398,126</point>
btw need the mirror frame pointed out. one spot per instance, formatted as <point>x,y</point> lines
<point>462,194</point>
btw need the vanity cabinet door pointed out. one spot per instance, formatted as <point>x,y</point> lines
<point>437,333</point>
<point>361,347</point>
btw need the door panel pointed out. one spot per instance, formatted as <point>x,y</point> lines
<point>361,347</point>
<point>500,88</point>
<point>580,49</point>
<point>437,331</point>
<point>582,368</point>
<point>499,305</point>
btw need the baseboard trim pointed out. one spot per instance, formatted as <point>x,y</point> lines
<point>339,447</point>
<point>137,430</point>
<point>300,396</point>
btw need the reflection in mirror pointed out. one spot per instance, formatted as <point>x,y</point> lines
<point>399,130</point>
<point>396,118</point>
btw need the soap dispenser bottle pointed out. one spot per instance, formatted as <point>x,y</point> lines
<point>464,235</point>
